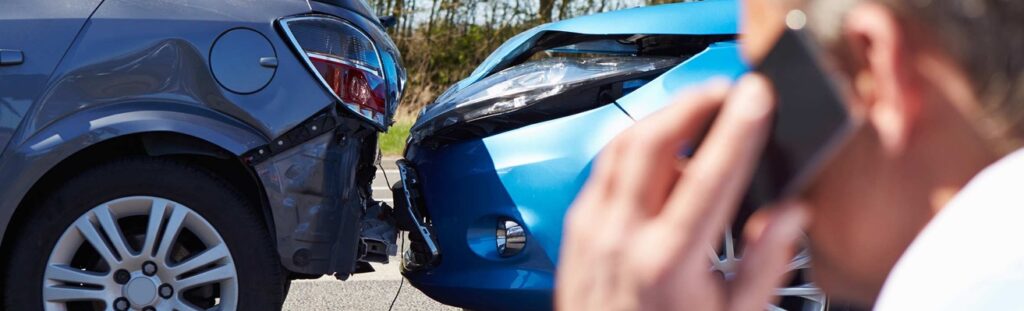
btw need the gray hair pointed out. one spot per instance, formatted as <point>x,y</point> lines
<point>985,38</point>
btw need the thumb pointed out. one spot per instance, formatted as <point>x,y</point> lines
<point>764,267</point>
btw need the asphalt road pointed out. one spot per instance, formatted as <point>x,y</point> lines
<point>372,291</point>
<point>369,291</point>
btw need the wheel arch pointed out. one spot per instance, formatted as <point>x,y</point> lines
<point>194,134</point>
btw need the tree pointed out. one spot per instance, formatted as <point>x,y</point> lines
<point>545,10</point>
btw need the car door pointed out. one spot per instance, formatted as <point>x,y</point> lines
<point>34,35</point>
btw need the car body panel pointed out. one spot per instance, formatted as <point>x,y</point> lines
<point>532,174</point>
<point>498,178</point>
<point>163,54</point>
<point>719,60</point>
<point>360,7</point>
<point>558,164</point>
<point>47,148</point>
<point>139,66</point>
<point>59,22</point>
<point>702,18</point>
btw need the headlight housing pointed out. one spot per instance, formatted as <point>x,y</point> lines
<point>345,60</point>
<point>533,91</point>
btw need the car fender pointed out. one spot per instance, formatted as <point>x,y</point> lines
<point>720,60</point>
<point>25,164</point>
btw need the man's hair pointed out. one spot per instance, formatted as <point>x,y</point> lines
<point>984,37</point>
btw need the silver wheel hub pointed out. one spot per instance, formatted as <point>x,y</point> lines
<point>140,291</point>
<point>141,253</point>
<point>802,295</point>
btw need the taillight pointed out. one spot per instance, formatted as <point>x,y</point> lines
<point>345,60</point>
<point>352,85</point>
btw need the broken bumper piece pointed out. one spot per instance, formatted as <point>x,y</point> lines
<point>318,180</point>
<point>409,216</point>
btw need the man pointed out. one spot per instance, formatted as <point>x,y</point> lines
<point>920,209</point>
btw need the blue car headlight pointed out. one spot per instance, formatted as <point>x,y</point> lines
<point>532,92</point>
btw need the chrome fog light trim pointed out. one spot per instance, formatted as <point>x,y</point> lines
<point>511,238</point>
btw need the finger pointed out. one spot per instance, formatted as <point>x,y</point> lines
<point>765,266</point>
<point>577,254</point>
<point>645,175</point>
<point>718,174</point>
<point>580,252</point>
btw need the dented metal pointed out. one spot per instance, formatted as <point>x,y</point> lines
<point>79,91</point>
<point>321,191</point>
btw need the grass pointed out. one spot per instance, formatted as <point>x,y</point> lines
<point>392,143</point>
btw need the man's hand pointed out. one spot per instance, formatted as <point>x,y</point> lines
<point>638,235</point>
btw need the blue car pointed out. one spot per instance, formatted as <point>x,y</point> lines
<point>494,163</point>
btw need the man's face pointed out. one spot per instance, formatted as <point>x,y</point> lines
<point>856,231</point>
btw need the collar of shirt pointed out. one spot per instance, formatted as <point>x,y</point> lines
<point>969,257</point>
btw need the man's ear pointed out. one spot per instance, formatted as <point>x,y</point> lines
<point>882,74</point>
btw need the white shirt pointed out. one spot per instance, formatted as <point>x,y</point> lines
<point>971,255</point>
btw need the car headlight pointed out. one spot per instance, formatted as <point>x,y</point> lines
<point>546,88</point>
<point>345,60</point>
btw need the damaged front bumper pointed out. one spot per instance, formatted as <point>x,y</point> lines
<point>409,216</point>
<point>318,183</point>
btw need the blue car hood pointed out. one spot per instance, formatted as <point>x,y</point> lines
<point>693,18</point>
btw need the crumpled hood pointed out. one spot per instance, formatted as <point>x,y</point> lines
<point>679,31</point>
<point>693,18</point>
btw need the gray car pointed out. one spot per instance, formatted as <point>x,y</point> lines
<point>190,154</point>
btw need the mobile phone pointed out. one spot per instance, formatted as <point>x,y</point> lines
<point>811,119</point>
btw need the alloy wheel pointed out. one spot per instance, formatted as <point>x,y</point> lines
<point>798,294</point>
<point>140,253</point>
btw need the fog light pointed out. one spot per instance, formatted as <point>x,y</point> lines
<point>511,238</point>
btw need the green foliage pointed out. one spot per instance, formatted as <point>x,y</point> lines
<point>392,143</point>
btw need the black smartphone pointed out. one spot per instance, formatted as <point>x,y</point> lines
<point>811,119</point>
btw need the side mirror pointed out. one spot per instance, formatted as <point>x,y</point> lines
<point>388,21</point>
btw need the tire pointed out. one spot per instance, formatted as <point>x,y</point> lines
<point>799,293</point>
<point>258,279</point>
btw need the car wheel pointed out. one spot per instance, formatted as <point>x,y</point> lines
<point>799,294</point>
<point>144,234</point>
